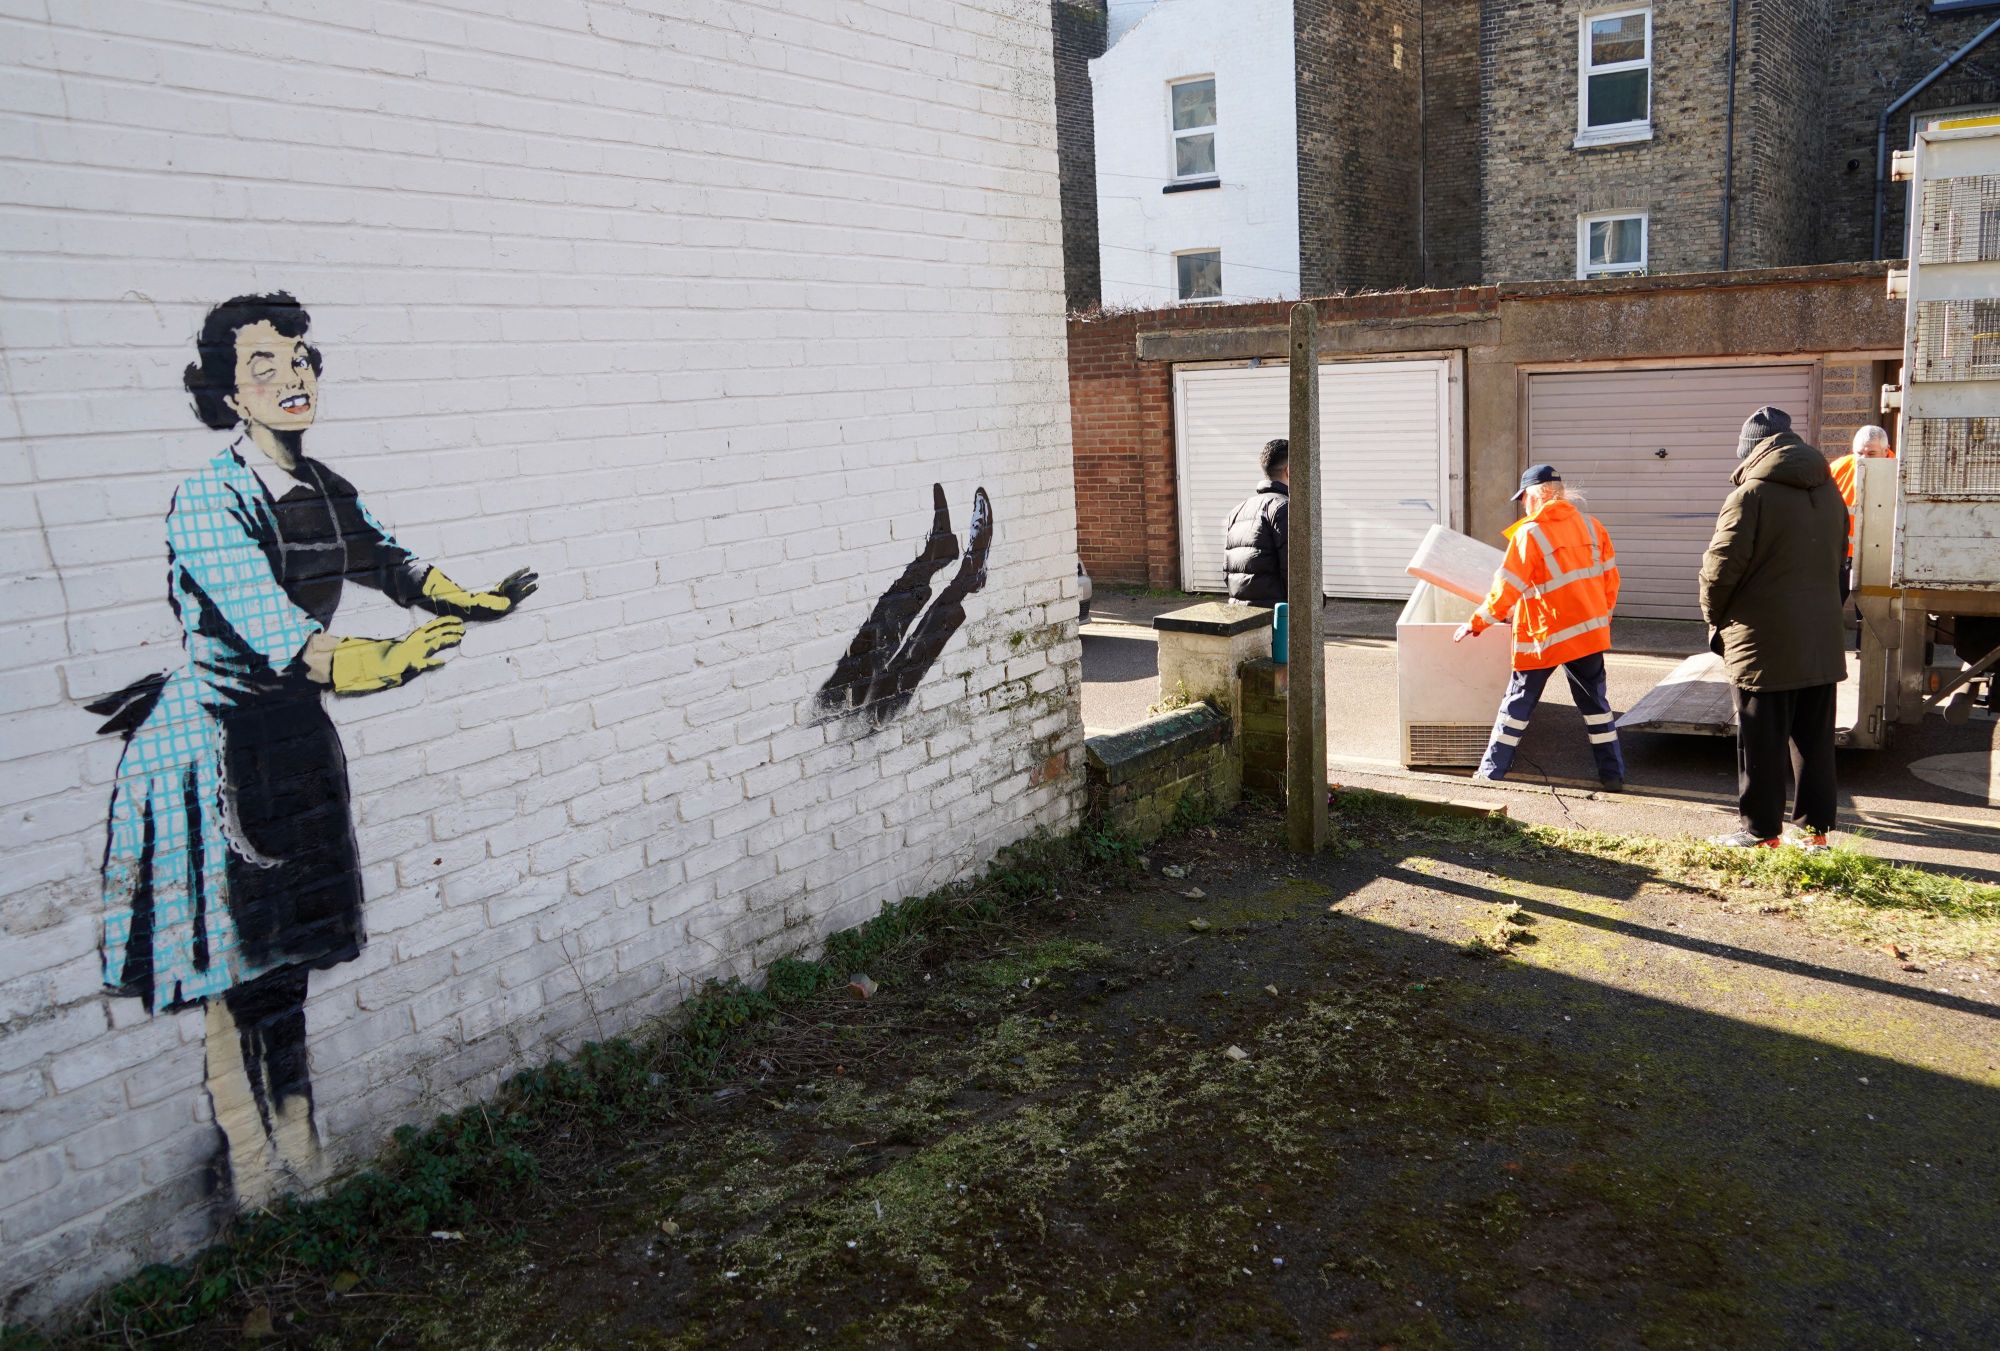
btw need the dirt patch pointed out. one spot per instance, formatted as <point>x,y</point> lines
<point>1655,1116</point>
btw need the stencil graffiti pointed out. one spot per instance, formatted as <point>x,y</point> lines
<point>230,871</point>
<point>889,658</point>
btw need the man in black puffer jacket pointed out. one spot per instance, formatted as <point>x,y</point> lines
<point>1253,545</point>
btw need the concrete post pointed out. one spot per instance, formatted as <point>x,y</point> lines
<point>1305,732</point>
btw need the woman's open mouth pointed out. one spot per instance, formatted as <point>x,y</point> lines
<point>295,403</point>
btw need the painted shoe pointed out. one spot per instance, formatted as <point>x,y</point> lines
<point>1743,839</point>
<point>978,539</point>
<point>1807,843</point>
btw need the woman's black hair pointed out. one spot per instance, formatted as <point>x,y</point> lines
<point>212,378</point>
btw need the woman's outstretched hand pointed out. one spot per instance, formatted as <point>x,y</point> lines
<point>515,587</point>
<point>449,598</point>
<point>364,665</point>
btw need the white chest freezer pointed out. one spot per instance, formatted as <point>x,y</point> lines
<point>1447,694</point>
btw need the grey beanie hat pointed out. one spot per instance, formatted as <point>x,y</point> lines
<point>1766,422</point>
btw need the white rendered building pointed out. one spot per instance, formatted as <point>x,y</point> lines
<point>1197,152</point>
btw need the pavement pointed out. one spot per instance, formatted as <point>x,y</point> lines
<point>1923,800</point>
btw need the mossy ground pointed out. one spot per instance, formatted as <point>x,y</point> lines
<point>1665,1112</point>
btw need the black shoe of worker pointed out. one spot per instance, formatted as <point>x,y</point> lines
<point>1612,784</point>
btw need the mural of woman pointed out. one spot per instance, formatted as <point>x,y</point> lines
<point>230,872</point>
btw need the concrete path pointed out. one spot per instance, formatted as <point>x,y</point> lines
<point>1901,799</point>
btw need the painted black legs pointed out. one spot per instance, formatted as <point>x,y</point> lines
<point>888,659</point>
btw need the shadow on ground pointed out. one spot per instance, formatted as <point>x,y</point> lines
<point>1652,1115</point>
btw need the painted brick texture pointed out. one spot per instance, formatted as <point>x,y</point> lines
<point>687,305</point>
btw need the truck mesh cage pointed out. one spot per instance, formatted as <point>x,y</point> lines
<point>1958,340</point>
<point>1960,220</point>
<point>1951,457</point>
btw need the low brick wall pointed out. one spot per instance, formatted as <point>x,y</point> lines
<point>1261,738</point>
<point>1138,778</point>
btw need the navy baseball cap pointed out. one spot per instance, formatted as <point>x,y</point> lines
<point>1537,473</point>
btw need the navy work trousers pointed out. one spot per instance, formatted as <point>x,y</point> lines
<point>1524,691</point>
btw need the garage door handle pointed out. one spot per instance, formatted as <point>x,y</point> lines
<point>1660,454</point>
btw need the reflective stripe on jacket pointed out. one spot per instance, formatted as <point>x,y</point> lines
<point>1559,581</point>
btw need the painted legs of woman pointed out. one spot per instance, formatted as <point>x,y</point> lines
<point>259,1082</point>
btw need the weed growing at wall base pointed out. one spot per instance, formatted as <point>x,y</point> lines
<point>457,1173</point>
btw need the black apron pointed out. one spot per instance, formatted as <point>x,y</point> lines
<point>294,873</point>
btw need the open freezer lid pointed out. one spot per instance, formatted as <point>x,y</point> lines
<point>1456,563</point>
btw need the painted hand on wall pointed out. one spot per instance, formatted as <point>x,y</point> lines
<point>231,871</point>
<point>888,659</point>
<point>446,597</point>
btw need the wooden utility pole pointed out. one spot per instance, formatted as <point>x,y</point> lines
<point>1305,730</point>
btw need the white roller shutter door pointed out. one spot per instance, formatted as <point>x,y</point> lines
<point>1384,448</point>
<point>1604,431</point>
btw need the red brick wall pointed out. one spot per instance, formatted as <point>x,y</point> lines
<point>1105,381</point>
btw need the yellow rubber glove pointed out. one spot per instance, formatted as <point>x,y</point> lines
<point>449,598</point>
<point>364,665</point>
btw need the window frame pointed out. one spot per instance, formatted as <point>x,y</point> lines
<point>1611,133</point>
<point>1584,271</point>
<point>1221,293</point>
<point>1174,134</point>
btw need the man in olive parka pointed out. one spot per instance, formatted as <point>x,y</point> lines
<point>1771,593</point>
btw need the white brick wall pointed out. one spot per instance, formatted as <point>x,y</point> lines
<point>686,303</point>
<point>1254,216</point>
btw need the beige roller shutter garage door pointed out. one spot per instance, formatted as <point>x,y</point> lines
<point>1606,431</point>
<point>1385,442</point>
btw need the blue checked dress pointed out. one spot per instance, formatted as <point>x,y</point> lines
<point>231,850</point>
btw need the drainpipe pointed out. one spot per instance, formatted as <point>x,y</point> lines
<point>1423,148</point>
<point>1882,126</point>
<point>1729,142</point>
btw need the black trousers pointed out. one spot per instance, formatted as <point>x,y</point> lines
<point>270,1013</point>
<point>1779,731</point>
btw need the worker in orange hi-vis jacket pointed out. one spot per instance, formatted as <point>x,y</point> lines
<point>1870,443</point>
<point>1559,582</point>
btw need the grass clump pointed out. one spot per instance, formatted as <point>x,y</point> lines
<point>1036,964</point>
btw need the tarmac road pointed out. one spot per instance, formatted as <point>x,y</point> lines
<point>1678,785</point>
